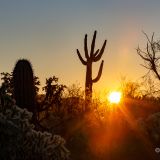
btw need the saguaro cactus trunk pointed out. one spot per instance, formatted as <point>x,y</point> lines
<point>94,56</point>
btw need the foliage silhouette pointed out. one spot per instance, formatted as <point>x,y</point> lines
<point>52,97</point>
<point>19,139</point>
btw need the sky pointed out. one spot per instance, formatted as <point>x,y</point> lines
<point>48,32</point>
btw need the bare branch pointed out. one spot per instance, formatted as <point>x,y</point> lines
<point>145,66</point>
<point>144,58</point>
<point>149,56</point>
<point>146,36</point>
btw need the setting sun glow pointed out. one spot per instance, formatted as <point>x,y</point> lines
<point>114,97</point>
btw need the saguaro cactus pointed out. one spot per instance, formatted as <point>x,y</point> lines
<point>94,56</point>
<point>23,82</point>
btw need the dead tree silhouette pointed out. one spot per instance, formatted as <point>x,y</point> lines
<point>151,55</point>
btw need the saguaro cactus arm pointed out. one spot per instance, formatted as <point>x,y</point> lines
<point>96,53</point>
<point>86,47</point>
<point>97,56</point>
<point>93,44</point>
<point>99,73</point>
<point>81,59</point>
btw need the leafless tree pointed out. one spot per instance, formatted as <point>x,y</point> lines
<point>151,55</point>
<point>150,88</point>
<point>130,89</point>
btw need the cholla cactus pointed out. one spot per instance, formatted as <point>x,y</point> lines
<point>151,126</point>
<point>19,140</point>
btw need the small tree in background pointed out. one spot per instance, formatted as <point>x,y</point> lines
<point>151,55</point>
<point>74,102</point>
<point>52,97</point>
<point>150,87</point>
<point>7,82</point>
<point>130,89</point>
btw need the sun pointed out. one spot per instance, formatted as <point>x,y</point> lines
<point>115,97</point>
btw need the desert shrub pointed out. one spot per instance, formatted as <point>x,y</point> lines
<point>19,140</point>
<point>151,127</point>
<point>73,101</point>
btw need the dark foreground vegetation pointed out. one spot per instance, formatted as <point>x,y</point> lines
<point>129,130</point>
<point>32,125</point>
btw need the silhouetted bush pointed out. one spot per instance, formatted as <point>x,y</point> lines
<point>19,140</point>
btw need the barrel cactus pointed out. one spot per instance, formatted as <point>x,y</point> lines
<point>23,82</point>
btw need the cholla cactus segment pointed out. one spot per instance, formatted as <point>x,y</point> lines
<point>151,126</point>
<point>19,140</point>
